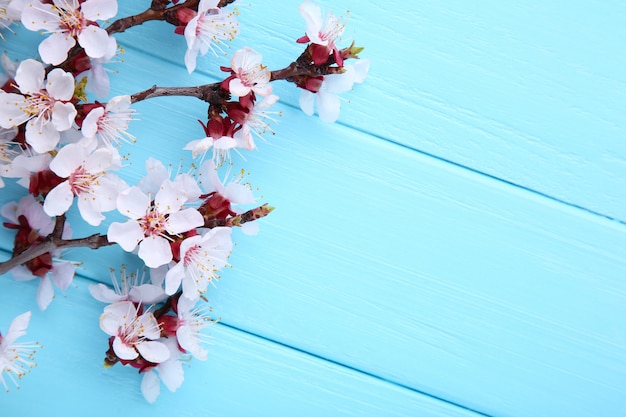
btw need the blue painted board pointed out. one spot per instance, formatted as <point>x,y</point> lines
<point>399,264</point>
<point>244,376</point>
<point>532,93</point>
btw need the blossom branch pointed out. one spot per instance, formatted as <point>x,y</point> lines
<point>157,11</point>
<point>238,220</point>
<point>53,242</point>
<point>214,94</point>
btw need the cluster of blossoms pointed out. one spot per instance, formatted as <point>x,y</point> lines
<point>63,146</point>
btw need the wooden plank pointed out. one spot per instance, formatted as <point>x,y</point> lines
<point>531,93</point>
<point>244,375</point>
<point>416,270</point>
<point>423,274</point>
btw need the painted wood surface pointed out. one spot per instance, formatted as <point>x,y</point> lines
<point>448,248</point>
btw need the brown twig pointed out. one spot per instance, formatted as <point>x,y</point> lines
<point>50,244</point>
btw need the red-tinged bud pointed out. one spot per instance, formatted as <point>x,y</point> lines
<point>351,52</point>
<point>216,207</point>
<point>319,53</point>
<point>314,84</point>
<point>43,181</point>
<point>185,14</point>
<point>169,325</point>
<point>83,111</point>
<point>80,63</point>
<point>303,39</point>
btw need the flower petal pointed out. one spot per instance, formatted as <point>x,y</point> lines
<point>59,199</point>
<point>133,203</point>
<point>150,386</point>
<point>95,40</point>
<point>307,100</point>
<point>99,9</point>
<point>328,106</point>
<point>53,50</point>
<point>45,293</point>
<point>155,251</point>
<point>124,351</point>
<point>60,84</point>
<point>153,351</point>
<point>128,234</point>
<point>172,374</point>
<point>62,274</point>
<point>184,220</point>
<point>29,76</point>
<point>103,293</point>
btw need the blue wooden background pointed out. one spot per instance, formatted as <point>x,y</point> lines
<point>453,246</point>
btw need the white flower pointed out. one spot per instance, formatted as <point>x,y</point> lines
<point>8,14</point>
<point>320,32</point>
<point>86,178</point>
<point>33,225</point>
<point>68,21</point>
<point>43,104</point>
<point>30,208</point>
<point>254,122</point>
<point>191,322</point>
<point>110,123</point>
<point>328,103</point>
<point>157,174</point>
<point>170,372</point>
<point>233,193</point>
<point>201,257</point>
<point>208,28</point>
<point>134,334</point>
<point>221,147</point>
<point>150,223</point>
<point>23,166</point>
<point>249,74</point>
<point>16,359</point>
<point>60,273</point>
<point>129,288</point>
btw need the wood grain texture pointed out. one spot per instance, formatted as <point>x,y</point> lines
<point>530,93</point>
<point>399,264</point>
<point>244,375</point>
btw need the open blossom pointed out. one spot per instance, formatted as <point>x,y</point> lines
<point>110,123</point>
<point>328,103</point>
<point>208,29</point>
<point>191,323</point>
<point>16,359</point>
<point>254,121</point>
<point>10,11</point>
<point>69,21</point>
<point>150,222</point>
<point>45,105</point>
<point>249,74</point>
<point>86,177</point>
<point>323,34</point>
<point>130,287</point>
<point>134,333</point>
<point>33,225</point>
<point>201,257</point>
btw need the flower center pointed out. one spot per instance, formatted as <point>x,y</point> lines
<point>80,180</point>
<point>72,20</point>
<point>153,223</point>
<point>191,255</point>
<point>39,104</point>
